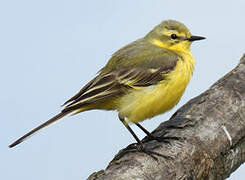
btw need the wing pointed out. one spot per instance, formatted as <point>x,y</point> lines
<point>137,65</point>
<point>116,84</point>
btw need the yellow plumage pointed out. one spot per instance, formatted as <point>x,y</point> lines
<point>157,99</point>
<point>141,80</point>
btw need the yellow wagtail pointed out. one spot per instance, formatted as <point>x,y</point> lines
<point>141,80</point>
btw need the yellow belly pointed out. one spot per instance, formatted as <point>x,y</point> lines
<point>156,99</point>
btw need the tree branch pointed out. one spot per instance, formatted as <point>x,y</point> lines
<point>212,144</point>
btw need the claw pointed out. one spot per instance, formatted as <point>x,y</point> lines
<point>143,149</point>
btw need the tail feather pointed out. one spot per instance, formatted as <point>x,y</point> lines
<point>35,130</point>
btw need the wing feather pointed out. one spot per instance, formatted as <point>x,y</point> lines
<point>117,83</point>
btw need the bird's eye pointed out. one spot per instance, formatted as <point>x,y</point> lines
<point>174,36</point>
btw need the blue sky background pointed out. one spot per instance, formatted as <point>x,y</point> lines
<point>49,49</point>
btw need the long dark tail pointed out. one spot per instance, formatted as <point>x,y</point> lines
<point>47,123</point>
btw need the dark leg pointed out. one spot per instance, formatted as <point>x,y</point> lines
<point>151,136</point>
<point>144,130</point>
<point>131,131</point>
<point>140,146</point>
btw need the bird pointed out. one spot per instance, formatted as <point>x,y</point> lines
<point>141,80</point>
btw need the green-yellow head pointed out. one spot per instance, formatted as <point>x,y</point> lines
<point>172,35</point>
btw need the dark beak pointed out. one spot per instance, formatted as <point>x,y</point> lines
<point>195,38</point>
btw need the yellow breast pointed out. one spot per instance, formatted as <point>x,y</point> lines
<point>156,99</point>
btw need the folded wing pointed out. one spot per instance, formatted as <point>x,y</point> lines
<point>115,84</point>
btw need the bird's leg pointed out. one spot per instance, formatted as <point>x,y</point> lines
<point>151,136</point>
<point>131,132</point>
<point>144,130</point>
<point>140,146</point>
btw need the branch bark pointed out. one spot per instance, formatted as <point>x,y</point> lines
<point>212,144</point>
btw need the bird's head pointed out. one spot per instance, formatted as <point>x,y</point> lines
<point>172,35</point>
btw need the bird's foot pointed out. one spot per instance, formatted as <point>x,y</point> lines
<point>150,136</point>
<point>150,152</point>
<point>139,147</point>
